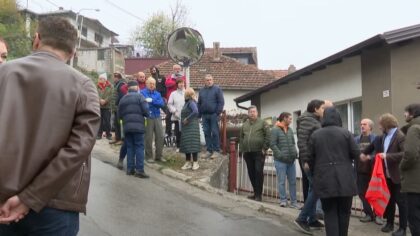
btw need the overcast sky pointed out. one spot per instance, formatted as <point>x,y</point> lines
<point>298,32</point>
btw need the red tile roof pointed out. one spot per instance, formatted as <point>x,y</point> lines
<point>277,73</point>
<point>228,73</point>
<point>134,65</point>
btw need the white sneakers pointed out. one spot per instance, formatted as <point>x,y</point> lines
<point>195,166</point>
<point>214,155</point>
<point>190,165</point>
<point>187,166</point>
<point>206,155</point>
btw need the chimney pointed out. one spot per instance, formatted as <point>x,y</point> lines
<point>292,68</point>
<point>61,8</point>
<point>216,51</point>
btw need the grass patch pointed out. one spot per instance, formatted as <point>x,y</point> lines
<point>173,160</point>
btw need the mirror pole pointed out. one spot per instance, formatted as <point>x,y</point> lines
<point>187,76</point>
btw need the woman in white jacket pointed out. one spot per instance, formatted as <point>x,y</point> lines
<point>175,103</point>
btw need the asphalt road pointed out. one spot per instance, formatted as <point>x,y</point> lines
<point>125,205</point>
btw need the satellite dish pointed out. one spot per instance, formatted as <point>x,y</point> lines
<point>185,46</point>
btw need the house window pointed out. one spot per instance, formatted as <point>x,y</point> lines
<point>98,38</point>
<point>351,115</point>
<point>101,54</point>
<point>84,31</point>
<point>243,60</point>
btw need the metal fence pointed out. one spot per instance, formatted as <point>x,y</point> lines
<point>270,187</point>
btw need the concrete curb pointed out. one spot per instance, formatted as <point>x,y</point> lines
<point>203,184</point>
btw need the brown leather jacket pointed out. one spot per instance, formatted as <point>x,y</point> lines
<point>49,118</point>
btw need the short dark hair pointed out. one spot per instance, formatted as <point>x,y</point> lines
<point>57,32</point>
<point>118,75</point>
<point>179,80</point>
<point>388,121</point>
<point>252,107</point>
<point>314,104</point>
<point>283,116</point>
<point>413,109</point>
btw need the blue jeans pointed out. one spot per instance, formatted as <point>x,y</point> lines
<point>307,214</point>
<point>135,151</point>
<point>211,132</point>
<point>48,222</point>
<point>283,170</point>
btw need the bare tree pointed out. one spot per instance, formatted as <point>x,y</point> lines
<point>151,37</point>
<point>179,14</point>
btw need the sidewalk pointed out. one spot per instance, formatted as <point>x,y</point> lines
<point>109,154</point>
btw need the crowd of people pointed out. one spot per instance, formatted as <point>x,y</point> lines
<point>47,181</point>
<point>53,188</point>
<point>337,165</point>
<point>161,95</point>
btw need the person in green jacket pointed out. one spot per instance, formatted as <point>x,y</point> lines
<point>285,153</point>
<point>254,140</point>
<point>410,166</point>
<point>105,94</point>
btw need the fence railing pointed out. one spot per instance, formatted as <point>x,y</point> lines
<point>239,182</point>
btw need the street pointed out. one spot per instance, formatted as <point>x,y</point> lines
<point>125,205</point>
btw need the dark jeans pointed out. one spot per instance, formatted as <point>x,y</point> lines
<point>305,183</point>
<point>337,212</point>
<point>177,133</point>
<point>123,150</point>
<point>211,132</point>
<point>117,127</point>
<point>135,151</point>
<point>105,123</point>
<point>400,199</point>
<point>362,186</point>
<point>188,156</point>
<point>255,165</point>
<point>48,222</point>
<point>413,200</point>
<point>168,124</point>
<point>308,212</point>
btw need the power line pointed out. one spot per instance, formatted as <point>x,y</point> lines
<point>123,10</point>
<point>52,3</point>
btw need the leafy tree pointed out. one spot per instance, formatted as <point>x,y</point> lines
<point>151,37</point>
<point>12,29</point>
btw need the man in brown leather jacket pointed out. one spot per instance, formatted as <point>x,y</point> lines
<point>49,118</point>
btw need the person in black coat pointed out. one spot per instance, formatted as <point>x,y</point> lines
<point>133,109</point>
<point>332,150</point>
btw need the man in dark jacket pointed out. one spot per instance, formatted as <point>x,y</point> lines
<point>49,118</point>
<point>364,168</point>
<point>285,154</point>
<point>410,166</point>
<point>307,123</point>
<point>160,81</point>
<point>254,140</point>
<point>391,152</point>
<point>120,89</point>
<point>331,153</point>
<point>133,109</point>
<point>210,106</point>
